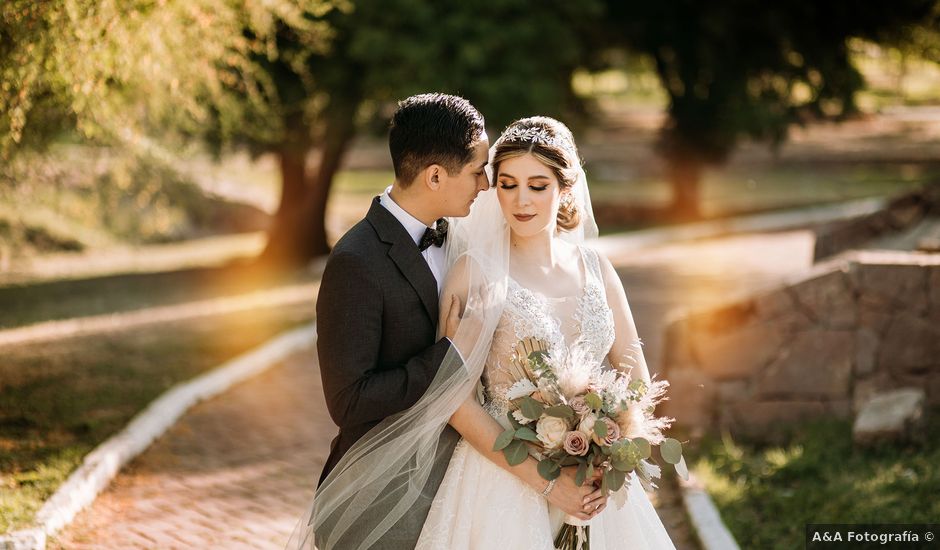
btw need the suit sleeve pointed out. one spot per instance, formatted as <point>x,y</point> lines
<point>349,327</point>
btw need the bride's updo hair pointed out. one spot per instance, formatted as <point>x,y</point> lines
<point>552,143</point>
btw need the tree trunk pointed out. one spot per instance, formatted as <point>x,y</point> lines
<point>340,129</point>
<point>292,161</point>
<point>685,177</point>
<point>299,230</point>
<point>281,249</point>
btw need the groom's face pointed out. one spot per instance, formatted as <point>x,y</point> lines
<point>461,188</point>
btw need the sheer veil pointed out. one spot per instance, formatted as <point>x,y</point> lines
<point>380,479</point>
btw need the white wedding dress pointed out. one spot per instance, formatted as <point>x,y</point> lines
<point>481,506</point>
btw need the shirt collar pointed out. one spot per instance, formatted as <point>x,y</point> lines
<point>412,225</point>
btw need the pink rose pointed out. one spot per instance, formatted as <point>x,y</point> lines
<point>613,433</point>
<point>576,443</point>
<point>579,405</point>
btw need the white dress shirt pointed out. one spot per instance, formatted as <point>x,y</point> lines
<point>433,255</point>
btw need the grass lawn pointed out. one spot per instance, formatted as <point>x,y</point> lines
<point>742,189</point>
<point>724,192</point>
<point>33,303</point>
<point>767,493</point>
<point>59,400</point>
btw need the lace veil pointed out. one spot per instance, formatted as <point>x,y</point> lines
<point>380,479</point>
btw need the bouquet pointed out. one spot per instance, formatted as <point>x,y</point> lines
<point>567,410</point>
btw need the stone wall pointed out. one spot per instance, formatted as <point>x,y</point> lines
<point>867,322</point>
<point>900,214</point>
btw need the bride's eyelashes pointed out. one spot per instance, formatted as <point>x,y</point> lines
<point>513,186</point>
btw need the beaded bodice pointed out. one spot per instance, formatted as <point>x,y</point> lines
<point>584,322</point>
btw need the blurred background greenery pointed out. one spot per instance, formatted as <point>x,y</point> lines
<point>106,106</point>
<point>145,145</point>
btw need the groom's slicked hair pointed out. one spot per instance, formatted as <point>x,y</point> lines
<point>431,129</point>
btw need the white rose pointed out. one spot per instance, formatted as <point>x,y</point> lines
<point>551,431</point>
<point>587,424</point>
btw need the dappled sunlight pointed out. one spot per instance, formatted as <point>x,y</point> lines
<point>51,330</point>
<point>203,252</point>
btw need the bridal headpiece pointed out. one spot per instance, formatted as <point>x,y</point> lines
<point>535,135</point>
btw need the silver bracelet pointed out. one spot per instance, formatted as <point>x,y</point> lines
<point>548,488</point>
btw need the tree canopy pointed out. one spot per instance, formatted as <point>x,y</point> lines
<point>297,76</point>
<point>133,69</point>
<point>735,69</point>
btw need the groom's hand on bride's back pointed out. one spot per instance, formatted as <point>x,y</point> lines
<point>582,502</point>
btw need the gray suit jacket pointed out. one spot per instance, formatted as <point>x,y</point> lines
<point>377,315</point>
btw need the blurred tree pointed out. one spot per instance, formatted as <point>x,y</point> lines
<point>291,76</point>
<point>735,69</point>
<point>147,74</point>
<point>126,70</point>
<point>507,58</point>
<point>917,41</point>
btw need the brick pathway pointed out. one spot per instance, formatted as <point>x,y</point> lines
<point>237,470</point>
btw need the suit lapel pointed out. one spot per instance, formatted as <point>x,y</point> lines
<point>406,256</point>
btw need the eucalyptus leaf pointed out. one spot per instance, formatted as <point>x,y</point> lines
<point>593,400</point>
<point>548,469</point>
<point>512,421</point>
<point>600,428</point>
<point>615,479</point>
<point>538,355</point>
<point>581,474</point>
<point>530,408</point>
<point>504,440</point>
<point>570,461</point>
<point>527,434</point>
<point>643,446</point>
<point>516,453</point>
<point>560,411</point>
<point>639,385</point>
<point>671,450</point>
<point>622,465</point>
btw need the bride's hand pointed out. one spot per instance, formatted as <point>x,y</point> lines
<point>582,502</point>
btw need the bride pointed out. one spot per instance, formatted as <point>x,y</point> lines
<point>519,270</point>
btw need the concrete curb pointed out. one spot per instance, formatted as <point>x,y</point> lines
<point>711,532</point>
<point>101,465</point>
<point>770,221</point>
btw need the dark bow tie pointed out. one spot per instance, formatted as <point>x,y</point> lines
<point>434,236</point>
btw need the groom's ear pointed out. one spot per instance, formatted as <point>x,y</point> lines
<point>432,176</point>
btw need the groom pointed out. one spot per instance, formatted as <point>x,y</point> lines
<point>377,309</point>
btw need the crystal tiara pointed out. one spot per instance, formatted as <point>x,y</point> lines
<point>539,136</point>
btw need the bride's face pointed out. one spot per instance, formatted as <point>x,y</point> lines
<point>529,194</point>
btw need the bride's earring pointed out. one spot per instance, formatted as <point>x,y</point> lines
<point>566,200</point>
